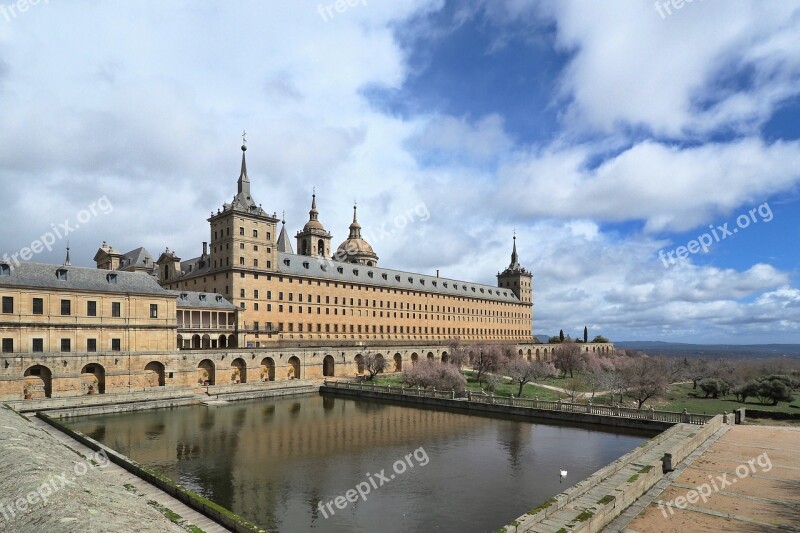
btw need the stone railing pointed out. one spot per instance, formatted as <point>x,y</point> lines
<point>670,417</point>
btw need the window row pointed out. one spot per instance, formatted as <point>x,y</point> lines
<point>37,307</point>
<point>37,345</point>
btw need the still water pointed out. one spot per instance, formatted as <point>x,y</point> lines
<point>410,469</point>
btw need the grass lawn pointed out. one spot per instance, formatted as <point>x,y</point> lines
<point>503,389</point>
<point>678,399</point>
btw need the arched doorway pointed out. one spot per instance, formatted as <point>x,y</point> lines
<point>268,369</point>
<point>398,362</point>
<point>381,362</point>
<point>206,342</point>
<point>538,357</point>
<point>232,341</point>
<point>238,371</point>
<point>430,355</point>
<point>359,364</point>
<point>445,357</point>
<point>154,375</point>
<point>223,341</point>
<point>38,383</point>
<point>294,367</point>
<point>195,342</point>
<point>414,358</point>
<point>205,372</point>
<point>180,342</point>
<point>520,352</point>
<point>93,379</point>
<point>328,365</point>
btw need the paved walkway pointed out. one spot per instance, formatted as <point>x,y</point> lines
<point>751,475</point>
<point>138,487</point>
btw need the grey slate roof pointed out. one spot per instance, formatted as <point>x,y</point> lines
<point>204,300</point>
<point>284,243</point>
<point>138,258</point>
<point>196,266</point>
<point>36,275</point>
<point>394,279</point>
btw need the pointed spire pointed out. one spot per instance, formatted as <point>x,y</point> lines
<point>514,257</point>
<point>244,181</point>
<point>355,227</point>
<point>67,262</point>
<point>313,214</point>
<point>284,245</point>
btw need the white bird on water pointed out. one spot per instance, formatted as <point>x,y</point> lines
<point>562,476</point>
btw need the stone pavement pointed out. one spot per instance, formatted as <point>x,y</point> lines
<point>578,511</point>
<point>752,475</point>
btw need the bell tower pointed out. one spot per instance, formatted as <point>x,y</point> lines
<point>314,240</point>
<point>517,279</point>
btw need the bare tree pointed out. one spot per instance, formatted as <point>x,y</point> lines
<point>375,364</point>
<point>430,373</point>
<point>489,359</point>
<point>645,378</point>
<point>568,358</point>
<point>458,354</point>
<point>521,372</point>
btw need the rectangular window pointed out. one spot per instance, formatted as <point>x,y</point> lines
<point>8,345</point>
<point>116,309</point>
<point>255,293</point>
<point>91,345</point>
<point>115,345</point>
<point>8,304</point>
<point>66,309</point>
<point>241,231</point>
<point>241,293</point>
<point>38,306</point>
<point>153,310</point>
<point>91,308</point>
<point>38,345</point>
<point>66,345</point>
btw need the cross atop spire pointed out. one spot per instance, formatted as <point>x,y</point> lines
<point>67,262</point>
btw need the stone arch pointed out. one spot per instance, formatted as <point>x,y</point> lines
<point>180,341</point>
<point>321,248</point>
<point>293,370</point>
<point>328,366</point>
<point>430,355</point>
<point>520,352</point>
<point>196,342</point>
<point>93,379</point>
<point>154,374</point>
<point>471,357</point>
<point>398,362</point>
<point>232,341</point>
<point>414,358</point>
<point>268,369</point>
<point>206,341</point>
<point>359,364</point>
<point>222,341</point>
<point>238,371</point>
<point>381,361</point>
<point>538,357</point>
<point>38,383</point>
<point>445,357</point>
<point>205,372</point>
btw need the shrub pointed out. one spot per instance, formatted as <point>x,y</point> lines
<point>431,373</point>
<point>714,387</point>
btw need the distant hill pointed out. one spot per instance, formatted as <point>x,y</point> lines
<point>735,351</point>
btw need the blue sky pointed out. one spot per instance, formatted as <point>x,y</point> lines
<point>602,135</point>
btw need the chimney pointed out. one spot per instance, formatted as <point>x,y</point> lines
<point>437,272</point>
<point>205,249</point>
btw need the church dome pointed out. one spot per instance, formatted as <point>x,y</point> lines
<point>355,249</point>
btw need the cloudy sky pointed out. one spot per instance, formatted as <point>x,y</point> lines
<point>607,135</point>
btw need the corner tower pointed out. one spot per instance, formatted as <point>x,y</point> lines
<point>313,240</point>
<point>517,279</point>
<point>243,235</point>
